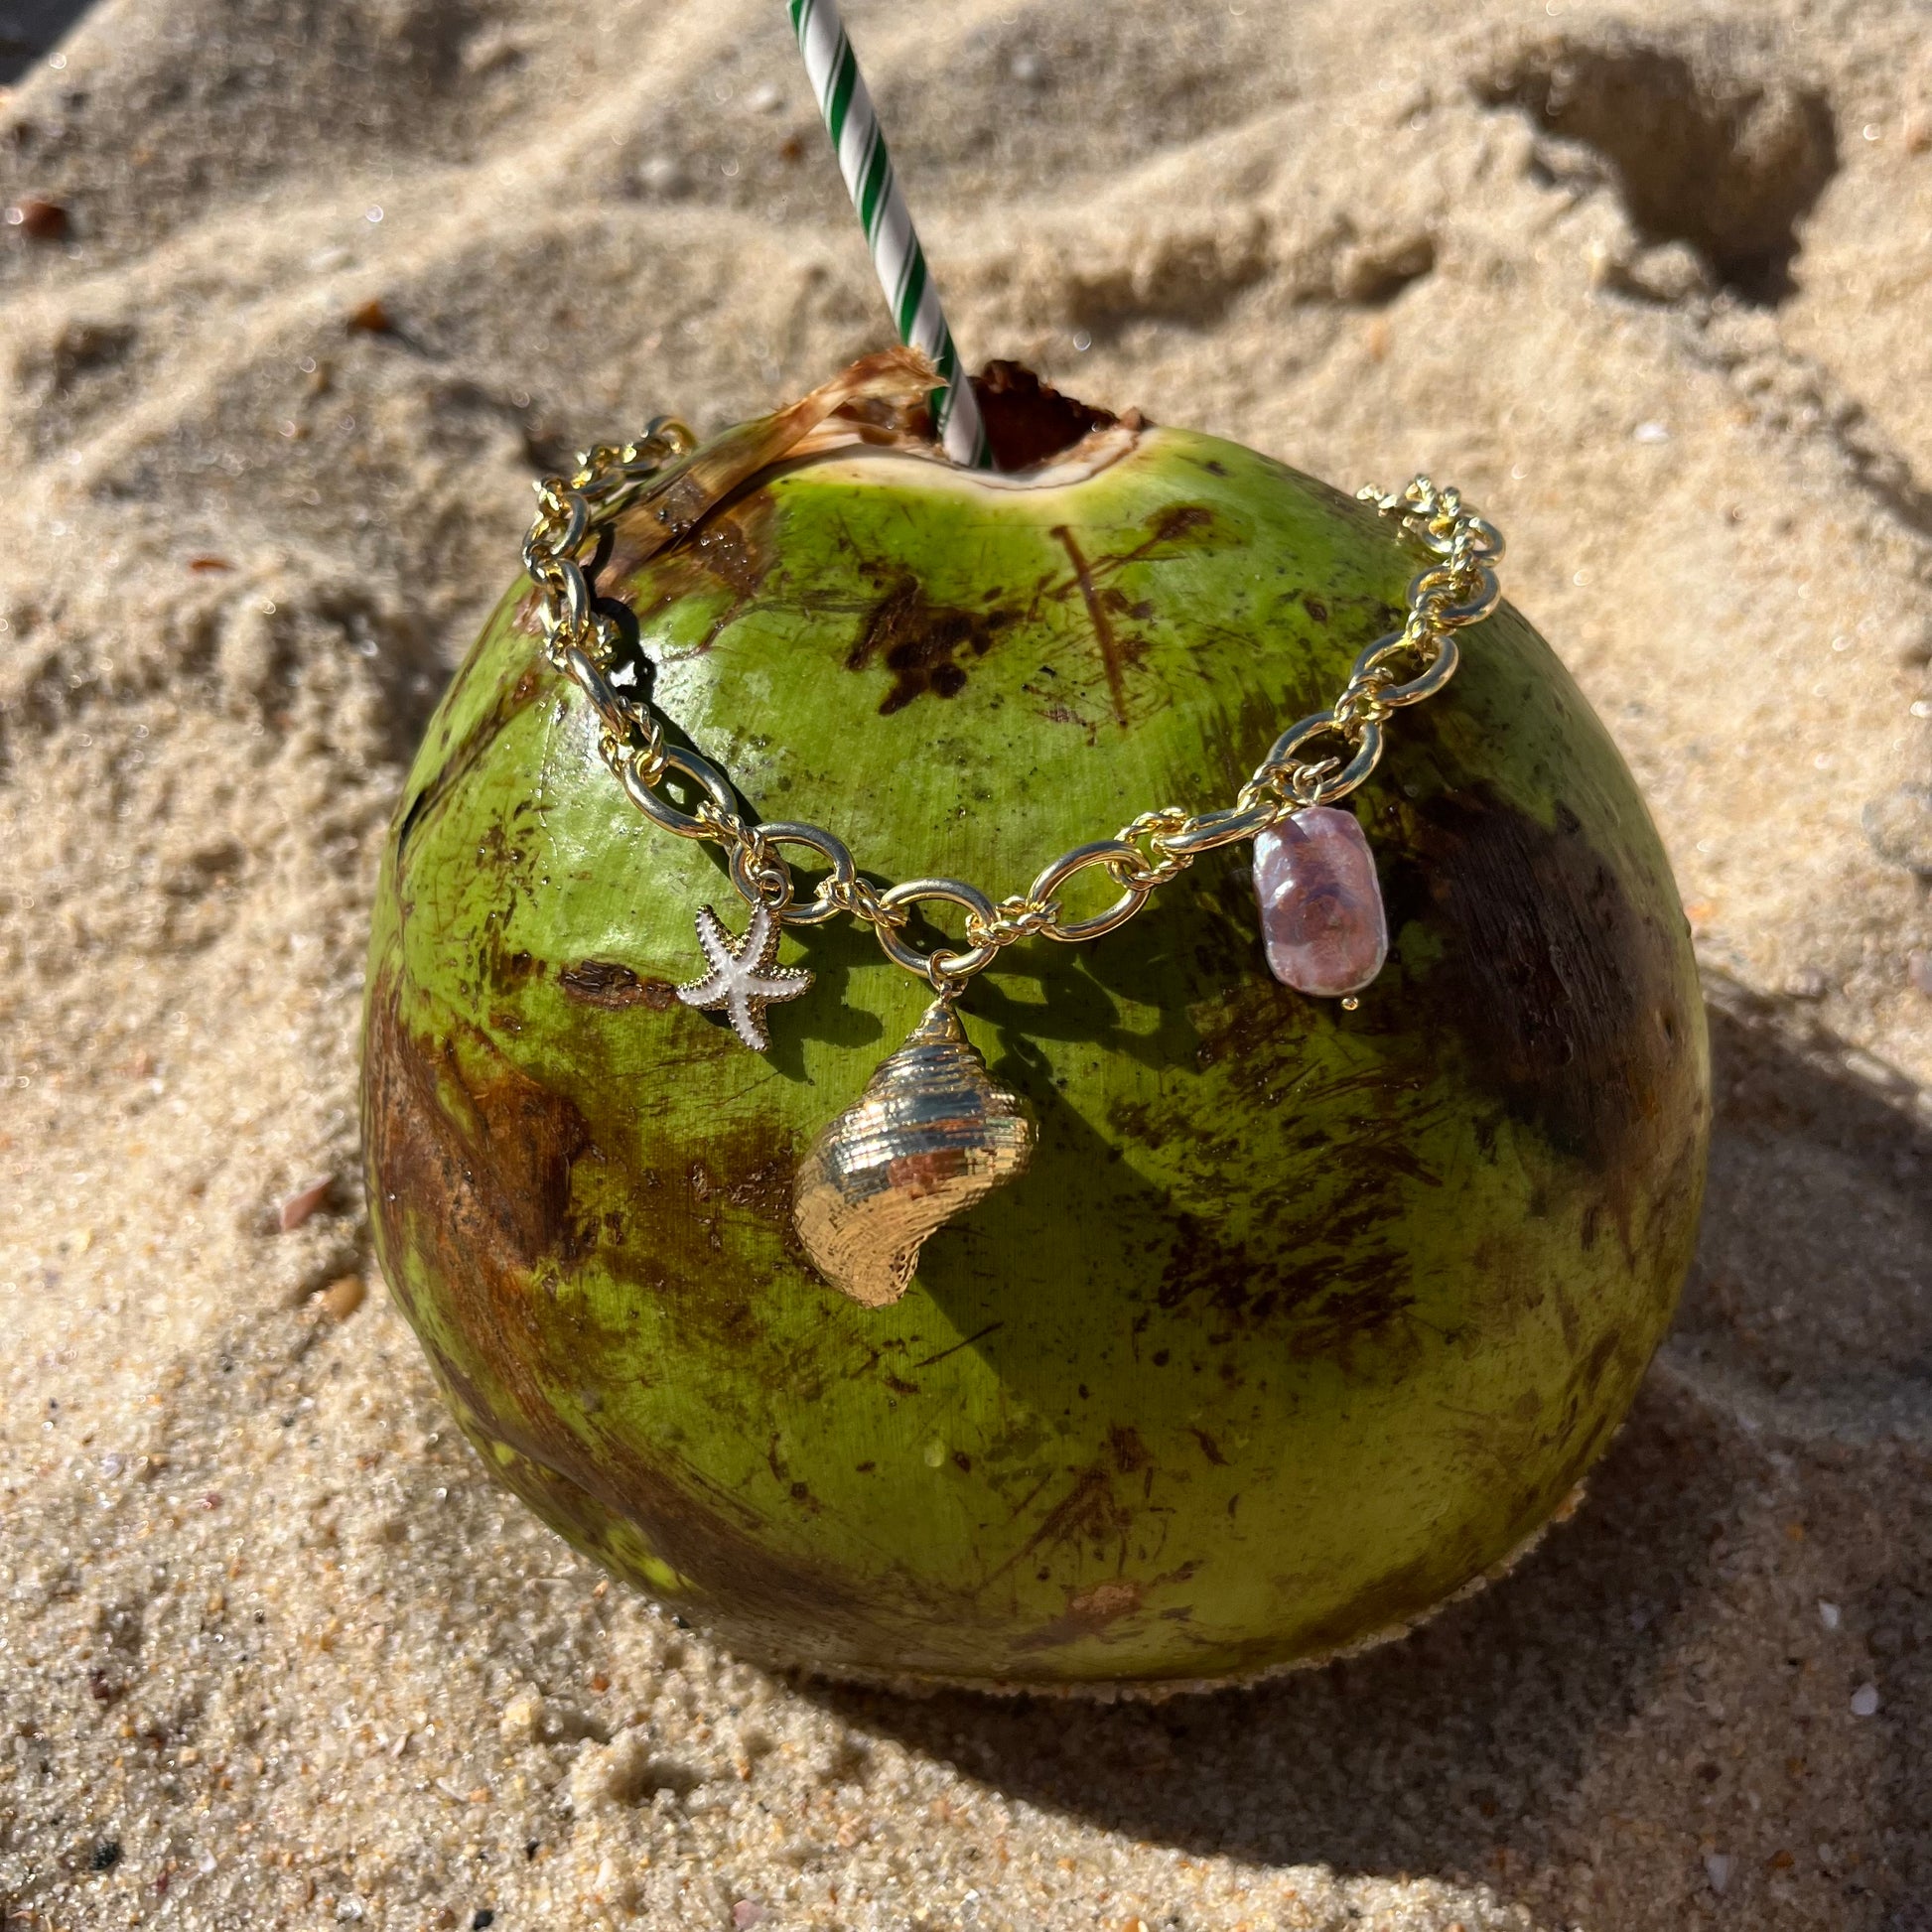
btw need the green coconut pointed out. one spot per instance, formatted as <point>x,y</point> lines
<point>1302,1319</point>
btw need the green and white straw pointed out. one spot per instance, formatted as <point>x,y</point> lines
<point>895,252</point>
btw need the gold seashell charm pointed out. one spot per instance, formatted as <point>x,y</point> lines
<point>932,1134</point>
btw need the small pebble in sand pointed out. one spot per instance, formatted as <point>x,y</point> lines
<point>662,175</point>
<point>1827,1615</point>
<point>749,1913</point>
<point>1918,971</point>
<point>300,1205</point>
<point>37,219</point>
<point>522,1719</point>
<point>1865,1701</point>
<point>1899,828</point>
<point>371,318</point>
<point>1717,1867</point>
<point>764,98</point>
<point>341,1298</point>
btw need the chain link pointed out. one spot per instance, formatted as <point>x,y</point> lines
<point>1458,588</point>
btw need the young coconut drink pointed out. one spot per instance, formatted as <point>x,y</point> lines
<point>1211,1325</point>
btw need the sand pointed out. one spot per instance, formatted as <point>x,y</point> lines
<point>1652,286</point>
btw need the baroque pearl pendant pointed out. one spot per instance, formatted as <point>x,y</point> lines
<point>1321,917</point>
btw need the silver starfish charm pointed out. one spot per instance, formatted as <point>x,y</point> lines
<point>743,979</point>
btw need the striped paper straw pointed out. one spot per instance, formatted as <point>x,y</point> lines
<point>895,252</point>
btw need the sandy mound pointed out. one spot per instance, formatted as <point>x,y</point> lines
<point>300,297</point>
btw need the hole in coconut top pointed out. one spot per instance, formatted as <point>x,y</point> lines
<point>1706,146</point>
<point>1027,422</point>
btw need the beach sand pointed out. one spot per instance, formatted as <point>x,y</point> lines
<point>1653,286</point>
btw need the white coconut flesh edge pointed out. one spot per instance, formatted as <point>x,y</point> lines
<point>850,455</point>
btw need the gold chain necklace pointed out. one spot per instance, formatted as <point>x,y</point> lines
<point>933,1133</point>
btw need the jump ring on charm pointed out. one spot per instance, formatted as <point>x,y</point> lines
<point>949,965</point>
<point>1209,831</point>
<point>1368,754</point>
<point>814,839</point>
<point>768,884</point>
<point>1287,748</point>
<point>699,771</point>
<point>1110,853</point>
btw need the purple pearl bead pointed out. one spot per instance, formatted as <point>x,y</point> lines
<point>1321,918</point>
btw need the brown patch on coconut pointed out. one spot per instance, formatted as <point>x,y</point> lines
<point>471,1165</point>
<point>610,984</point>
